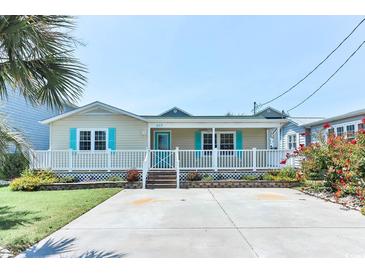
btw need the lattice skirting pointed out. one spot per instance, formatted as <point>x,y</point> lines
<point>239,184</point>
<point>222,175</point>
<point>87,176</point>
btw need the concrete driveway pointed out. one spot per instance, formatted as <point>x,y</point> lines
<point>209,223</point>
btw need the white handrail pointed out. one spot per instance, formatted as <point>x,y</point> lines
<point>72,160</point>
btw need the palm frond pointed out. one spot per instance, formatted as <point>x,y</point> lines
<point>37,59</point>
<point>12,137</point>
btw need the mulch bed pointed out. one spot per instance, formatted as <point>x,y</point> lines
<point>351,202</point>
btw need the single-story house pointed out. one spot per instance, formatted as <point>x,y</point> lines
<point>101,137</point>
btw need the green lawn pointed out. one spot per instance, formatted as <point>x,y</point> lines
<point>27,217</point>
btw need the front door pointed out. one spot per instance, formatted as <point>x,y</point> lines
<point>162,150</point>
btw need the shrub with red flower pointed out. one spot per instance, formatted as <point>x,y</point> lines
<point>337,160</point>
<point>326,125</point>
<point>133,175</point>
<point>363,120</point>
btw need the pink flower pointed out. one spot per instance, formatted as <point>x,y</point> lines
<point>283,162</point>
<point>353,141</point>
<point>363,120</point>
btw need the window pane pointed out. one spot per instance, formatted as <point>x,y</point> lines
<point>227,141</point>
<point>331,131</point>
<point>360,126</point>
<point>100,140</point>
<point>339,131</point>
<point>207,141</point>
<point>350,131</point>
<point>85,140</point>
<point>292,141</point>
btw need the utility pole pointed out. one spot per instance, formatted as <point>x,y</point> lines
<point>254,108</point>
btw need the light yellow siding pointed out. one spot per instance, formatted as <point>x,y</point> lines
<point>185,138</point>
<point>131,133</point>
<point>254,137</point>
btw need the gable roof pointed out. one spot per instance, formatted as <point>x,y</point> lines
<point>91,106</point>
<point>175,112</point>
<point>271,112</point>
<point>300,121</point>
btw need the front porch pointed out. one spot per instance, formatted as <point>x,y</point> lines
<point>147,160</point>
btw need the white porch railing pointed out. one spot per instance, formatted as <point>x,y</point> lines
<point>68,160</point>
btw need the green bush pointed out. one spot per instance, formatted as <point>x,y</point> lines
<point>32,179</point>
<point>26,184</point>
<point>193,176</point>
<point>249,177</point>
<point>268,177</point>
<point>12,166</point>
<point>115,179</point>
<point>207,178</point>
<point>68,179</point>
<point>284,174</point>
<point>288,172</point>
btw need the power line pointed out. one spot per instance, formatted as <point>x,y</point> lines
<point>316,67</point>
<point>314,92</point>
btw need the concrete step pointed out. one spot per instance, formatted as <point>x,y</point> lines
<point>161,180</point>
<point>151,186</point>
<point>157,177</point>
<point>162,172</point>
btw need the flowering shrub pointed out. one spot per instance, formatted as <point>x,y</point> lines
<point>133,175</point>
<point>337,160</point>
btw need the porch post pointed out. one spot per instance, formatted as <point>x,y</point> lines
<point>214,152</point>
<point>278,136</point>
<point>177,166</point>
<point>149,137</point>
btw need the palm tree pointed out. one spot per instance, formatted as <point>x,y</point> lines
<point>37,61</point>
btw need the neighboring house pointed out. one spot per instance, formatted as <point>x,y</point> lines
<point>24,117</point>
<point>295,133</point>
<point>341,125</point>
<point>305,130</point>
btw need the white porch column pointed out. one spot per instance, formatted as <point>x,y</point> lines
<point>278,137</point>
<point>149,137</point>
<point>214,152</point>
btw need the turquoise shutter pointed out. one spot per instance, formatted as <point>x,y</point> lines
<point>111,138</point>
<point>198,142</point>
<point>239,142</point>
<point>73,138</point>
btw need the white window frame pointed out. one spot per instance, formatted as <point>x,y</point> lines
<point>218,139</point>
<point>92,130</point>
<point>343,130</point>
<point>296,140</point>
<point>354,133</point>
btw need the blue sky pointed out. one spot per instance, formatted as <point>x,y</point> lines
<point>218,64</point>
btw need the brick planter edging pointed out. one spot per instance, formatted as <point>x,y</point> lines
<point>238,184</point>
<point>90,185</point>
